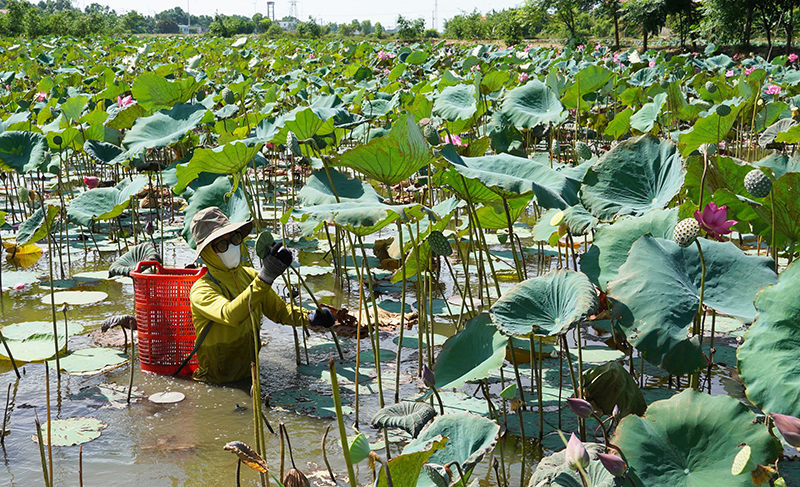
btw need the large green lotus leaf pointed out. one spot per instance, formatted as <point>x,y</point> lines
<point>657,292</point>
<point>305,122</point>
<point>151,90</point>
<point>691,440</point>
<point>472,354</point>
<point>786,192</point>
<point>610,385</point>
<point>620,125</point>
<point>710,129</point>
<point>634,177</point>
<point>319,190</point>
<point>579,220</point>
<point>165,127</point>
<point>533,104</point>
<point>230,158</point>
<point>546,305</point>
<point>723,173</point>
<point>467,189</point>
<point>493,215</point>
<point>103,152</point>
<point>73,107</point>
<point>470,436</point>
<point>510,176</point>
<point>96,204</point>
<point>405,469</point>
<point>780,164</point>
<point>33,341</point>
<point>234,207</point>
<point>612,243</point>
<point>392,158</point>
<point>455,102</point>
<point>36,227</point>
<point>553,471</point>
<point>646,117</point>
<point>768,361</point>
<point>72,431</point>
<point>22,151</point>
<point>128,261</point>
<point>124,118</point>
<point>408,416</point>
<point>90,360</point>
<point>589,80</point>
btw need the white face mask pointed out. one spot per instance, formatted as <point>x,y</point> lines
<point>231,257</point>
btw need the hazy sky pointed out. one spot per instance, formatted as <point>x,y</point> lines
<point>338,11</point>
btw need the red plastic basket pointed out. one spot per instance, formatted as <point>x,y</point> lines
<point>164,317</point>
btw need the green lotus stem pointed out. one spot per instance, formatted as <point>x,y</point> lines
<point>238,472</point>
<point>49,423</point>
<point>377,344</point>
<point>283,455</point>
<point>358,343</point>
<point>402,309</point>
<point>431,322</point>
<point>325,455</point>
<point>45,212</point>
<point>439,400</point>
<point>579,391</point>
<point>569,362</point>
<point>772,212</point>
<point>516,370</point>
<point>535,384</point>
<point>694,380</point>
<point>256,381</point>
<point>80,466</point>
<point>287,279</point>
<point>340,421</point>
<point>703,180</point>
<point>602,428</point>
<point>711,345</point>
<point>8,351</point>
<point>511,237</point>
<point>316,303</point>
<point>471,209</point>
<point>41,451</point>
<point>539,393</point>
<point>133,368</point>
<point>420,303</point>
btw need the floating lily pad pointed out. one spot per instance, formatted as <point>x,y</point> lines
<point>72,431</point>
<point>386,356</point>
<point>90,360</point>
<point>393,306</point>
<point>33,341</point>
<point>75,298</point>
<point>304,401</point>
<point>166,397</point>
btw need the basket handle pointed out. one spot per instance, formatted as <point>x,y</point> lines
<point>148,263</point>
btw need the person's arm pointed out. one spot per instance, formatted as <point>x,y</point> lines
<point>280,311</point>
<point>209,301</point>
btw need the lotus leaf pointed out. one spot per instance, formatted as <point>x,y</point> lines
<point>75,298</point>
<point>636,176</point>
<point>90,360</point>
<point>455,102</point>
<point>547,305</point>
<point>33,341</point>
<point>533,104</point>
<point>768,361</point>
<point>103,152</point>
<point>319,190</point>
<point>72,431</point>
<point>553,471</point>
<point>304,401</point>
<point>655,303</point>
<point>467,189</point>
<point>408,416</point>
<point>405,469</point>
<point>359,448</point>
<point>230,158</point>
<point>510,176</point>
<point>710,129</point>
<point>588,80</point>
<point>22,151</point>
<point>36,227</point>
<point>611,385</point>
<point>646,117</point>
<point>165,127</point>
<point>130,259</point>
<point>361,218</point>
<point>151,90</point>
<point>787,206</point>
<point>472,354</point>
<point>97,204</point>
<point>493,215</point>
<point>612,243</point>
<point>392,158</point>
<point>691,439</point>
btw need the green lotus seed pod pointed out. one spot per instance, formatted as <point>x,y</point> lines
<point>723,110</point>
<point>228,96</point>
<point>293,144</point>
<point>432,135</point>
<point>711,87</point>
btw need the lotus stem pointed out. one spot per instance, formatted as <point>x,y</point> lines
<point>41,452</point>
<point>375,457</point>
<point>283,455</point>
<point>316,303</point>
<point>579,391</point>
<point>340,421</point>
<point>694,380</point>
<point>402,308</point>
<point>377,337</point>
<point>80,466</point>
<point>516,371</point>
<point>772,214</point>
<point>133,368</point>
<point>238,472</point>
<point>8,350</point>
<point>45,218</point>
<point>256,388</point>
<point>603,429</point>
<point>288,281</point>
<point>539,393</point>
<point>511,238</point>
<point>325,455</point>
<point>49,423</point>
<point>5,416</point>
<point>420,304</point>
<point>289,444</point>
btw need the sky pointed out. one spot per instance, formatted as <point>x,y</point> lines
<point>339,11</point>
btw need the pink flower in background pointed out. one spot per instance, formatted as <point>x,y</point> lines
<point>792,57</point>
<point>747,71</point>
<point>452,139</point>
<point>386,71</point>
<point>736,56</point>
<point>18,286</point>
<point>91,182</point>
<point>123,102</point>
<point>773,90</point>
<point>581,47</point>
<point>729,73</point>
<point>597,47</point>
<point>41,96</point>
<point>311,56</point>
<point>714,220</point>
<point>652,63</point>
<point>523,77</point>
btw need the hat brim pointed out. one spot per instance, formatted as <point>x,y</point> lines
<point>246,228</point>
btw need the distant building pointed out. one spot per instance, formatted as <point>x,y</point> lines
<point>194,29</point>
<point>287,25</point>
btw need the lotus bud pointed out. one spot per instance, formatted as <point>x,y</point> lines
<point>581,408</point>
<point>516,404</point>
<point>616,413</point>
<point>295,478</point>
<point>789,426</point>
<point>428,378</point>
<point>149,228</point>
<point>24,194</point>
<point>91,182</point>
<point>614,464</point>
<point>576,455</point>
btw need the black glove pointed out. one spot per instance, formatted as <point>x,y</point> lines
<point>321,317</point>
<point>276,261</point>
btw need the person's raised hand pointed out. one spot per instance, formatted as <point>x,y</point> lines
<point>274,263</point>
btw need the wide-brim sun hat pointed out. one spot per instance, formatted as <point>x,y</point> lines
<point>211,223</point>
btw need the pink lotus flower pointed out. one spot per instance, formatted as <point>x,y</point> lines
<point>736,56</point>
<point>597,47</point>
<point>311,56</point>
<point>729,73</point>
<point>123,102</point>
<point>792,57</point>
<point>91,182</point>
<point>386,71</point>
<point>773,90</point>
<point>747,71</point>
<point>40,96</point>
<point>523,77</point>
<point>652,63</point>
<point>452,139</point>
<point>789,426</point>
<point>714,220</point>
<point>576,454</point>
<point>614,464</point>
<point>18,286</point>
<point>581,47</point>
<point>581,407</point>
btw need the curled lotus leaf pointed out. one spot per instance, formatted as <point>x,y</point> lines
<point>247,456</point>
<point>128,261</point>
<point>408,416</point>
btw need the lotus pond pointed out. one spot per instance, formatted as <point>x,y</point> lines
<point>551,267</point>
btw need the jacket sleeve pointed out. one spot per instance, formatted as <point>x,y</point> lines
<point>209,301</point>
<point>280,311</point>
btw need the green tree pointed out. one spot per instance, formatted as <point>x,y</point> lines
<point>218,27</point>
<point>651,15</point>
<point>379,32</point>
<point>275,31</point>
<point>134,22</point>
<point>409,30</point>
<point>366,27</point>
<point>568,12</point>
<point>345,30</point>
<point>310,29</point>
<point>15,17</point>
<point>34,26</point>
<point>167,26</point>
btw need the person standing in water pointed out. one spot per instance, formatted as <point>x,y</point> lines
<point>221,300</point>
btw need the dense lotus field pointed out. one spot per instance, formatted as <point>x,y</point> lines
<point>552,267</point>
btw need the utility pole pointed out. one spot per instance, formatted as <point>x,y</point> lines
<point>189,16</point>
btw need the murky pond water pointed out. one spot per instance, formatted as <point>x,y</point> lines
<point>181,443</point>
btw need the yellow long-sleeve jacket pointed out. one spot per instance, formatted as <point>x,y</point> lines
<point>229,348</point>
